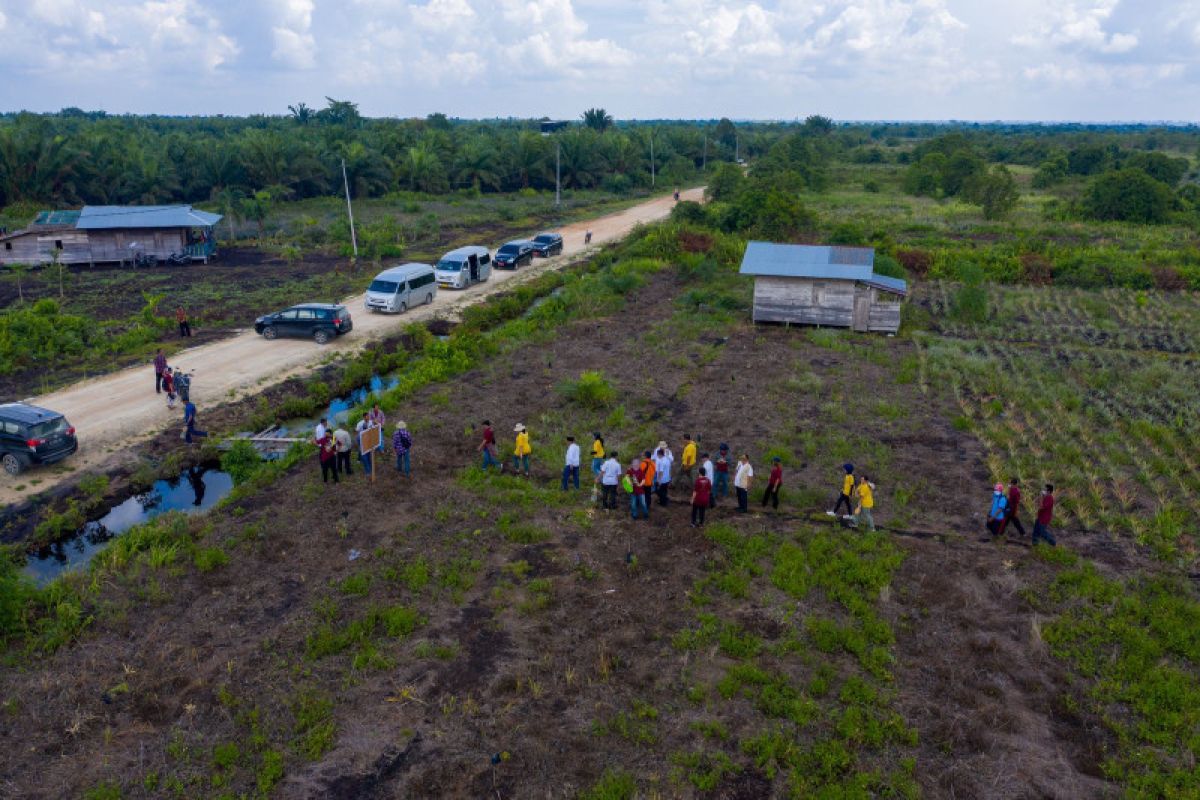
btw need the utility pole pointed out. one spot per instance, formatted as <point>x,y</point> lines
<point>349,211</point>
<point>651,159</point>
<point>557,173</point>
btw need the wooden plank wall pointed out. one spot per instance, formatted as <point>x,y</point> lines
<point>804,301</point>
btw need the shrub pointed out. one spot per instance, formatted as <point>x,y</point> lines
<point>209,558</point>
<point>970,303</point>
<point>241,461</point>
<point>592,391</point>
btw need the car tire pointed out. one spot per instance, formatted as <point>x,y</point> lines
<point>269,332</point>
<point>14,463</point>
<point>429,298</point>
<point>321,336</point>
<point>403,307</point>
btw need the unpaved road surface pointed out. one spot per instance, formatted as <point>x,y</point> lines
<point>115,411</point>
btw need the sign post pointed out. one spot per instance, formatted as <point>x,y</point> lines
<point>370,440</point>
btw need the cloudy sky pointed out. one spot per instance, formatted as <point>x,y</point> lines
<point>769,59</point>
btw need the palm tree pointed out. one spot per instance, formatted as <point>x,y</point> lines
<point>597,119</point>
<point>366,170</point>
<point>301,114</point>
<point>527,157</point>
<point>477,163</point>
<point>423,168</point>
<point>580,158</point>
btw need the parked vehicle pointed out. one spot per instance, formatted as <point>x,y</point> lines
<point>319,321</point>
<point>459,268</point>
<point>31,435</point>
<point>547,244</point>
<point>397,288</point>
<point>514,254</point>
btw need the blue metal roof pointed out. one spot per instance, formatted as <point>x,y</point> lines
<point>817,261</point>
<point>808,261</point>
<point>178,216</point>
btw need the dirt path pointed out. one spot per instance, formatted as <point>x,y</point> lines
<point>113,412</point>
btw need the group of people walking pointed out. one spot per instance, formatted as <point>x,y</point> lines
<point>176,382</point>
<point>1006,507</point>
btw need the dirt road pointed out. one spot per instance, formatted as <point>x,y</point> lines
<point>113,412</point>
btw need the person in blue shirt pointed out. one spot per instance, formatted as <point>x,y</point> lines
<point>998,511</point>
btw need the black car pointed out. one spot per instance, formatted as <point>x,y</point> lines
<point>547,244</point>
<point>32,435</point>
<point>513,255</point>
<point>319,321</point>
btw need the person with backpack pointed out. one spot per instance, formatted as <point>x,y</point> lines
<point>597,453</point>
<point>632,483</point>
<point>402,445</point>
<point>866,502</point>
<point>847,490</point>
<point>610,476</point>
<point>571,464</point>
<point>1041,525</point>
<point>521,451</point>
<point>774,481</point>
<point>1014,507</point>
<point>998,510</point>
<point>701,497</point>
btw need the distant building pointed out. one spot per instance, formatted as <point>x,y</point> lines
<point>818,285</point>
<point>112,234</point>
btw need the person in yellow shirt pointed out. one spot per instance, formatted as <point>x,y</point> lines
<point>597,453</point>
<point>847,490</point>
<point>866,502</point>
<point>521,450</point>
<point>687,461</point>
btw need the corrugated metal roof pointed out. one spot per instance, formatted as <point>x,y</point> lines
<point>180,216</point>
<point>896,285</point>
<point>808,261</point>
<point>56,218</point>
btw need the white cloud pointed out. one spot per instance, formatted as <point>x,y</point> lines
<point>294,44</point>
<point>1072,24</point>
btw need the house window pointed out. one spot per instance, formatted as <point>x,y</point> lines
<point>8,245</point>
<point>58,244</point>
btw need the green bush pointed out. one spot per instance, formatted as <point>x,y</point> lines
<point>592,391</point>
<point>209,558</point>
<point>241,461</point>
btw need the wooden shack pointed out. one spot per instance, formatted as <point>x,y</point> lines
<point>822,285</point>
<point>112,234</point>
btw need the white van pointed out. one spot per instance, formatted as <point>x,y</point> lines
<point>459,268</point>
<point>397,288</point>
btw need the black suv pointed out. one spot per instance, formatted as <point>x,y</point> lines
<point>32,435</point>
<point>320,321</point>
<point>547,244</point>
<point>513,255</point>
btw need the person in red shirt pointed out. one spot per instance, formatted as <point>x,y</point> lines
<point>701,495</point>
<point>488,446</point>
<point>1041,526</point>
<point>1014,506</point>
<point>773,483</point>
<point>328,456</point>
<point>637,498</point>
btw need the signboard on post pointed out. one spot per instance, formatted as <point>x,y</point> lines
<point>369,440</point>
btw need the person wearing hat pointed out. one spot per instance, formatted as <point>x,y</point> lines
<point>866,502</point>
<point>998,510</point>
<point>847,490</point>
<point>571,464</point>
<point>774,481</point>
<point>402,443</point>
<point>597,452</point>
<point>521,450</point>
<point>720,477</point>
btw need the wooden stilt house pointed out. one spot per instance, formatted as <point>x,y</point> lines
<point>821,285</point>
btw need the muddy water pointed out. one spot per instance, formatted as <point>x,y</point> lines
<point>196,490</point>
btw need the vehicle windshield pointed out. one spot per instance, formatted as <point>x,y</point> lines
<point>446,265</point>
<point>383,287</point>
<point>51,426</point>
<point>509,250</point>
<point>545,238</point>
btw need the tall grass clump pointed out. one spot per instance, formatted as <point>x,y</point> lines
<point>592,390</point>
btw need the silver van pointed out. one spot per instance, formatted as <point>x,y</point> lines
<point>459,268</point>
<point>396,289</point>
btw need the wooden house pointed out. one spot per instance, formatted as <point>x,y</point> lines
<point>818,285</point>
<point>112,234</point>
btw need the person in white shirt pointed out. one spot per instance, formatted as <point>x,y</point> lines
<point>364,458</point>
<point>341,448</point>
<point>571,464</point>
<point>662,474</point>
<point>741,483</point>
<point>708,473</point>
<point>610,474</point>
<point>320,431</point>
